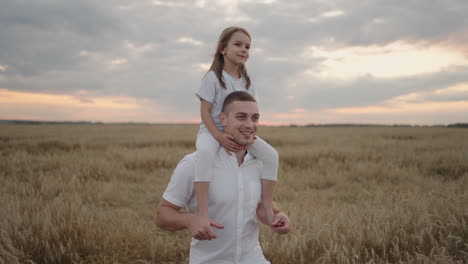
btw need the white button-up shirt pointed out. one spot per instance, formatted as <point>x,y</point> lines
<point>234,194</point>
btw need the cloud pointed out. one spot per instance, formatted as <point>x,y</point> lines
<point>325,15</point>
<point>190,40</point>
<point>440,106</point>
<point>311,55</point>
<point>38,36</point>
<point>12,98</point>
<point>455,94</point>
<point>405,108</point>
<point>118,61</point>
<point>398,59</point>
<point>313,93</point>
<point>84,106</point>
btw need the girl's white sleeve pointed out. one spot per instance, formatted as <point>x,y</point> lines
<point>207,90</point>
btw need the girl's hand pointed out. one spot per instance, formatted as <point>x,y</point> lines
<point>228,143</point>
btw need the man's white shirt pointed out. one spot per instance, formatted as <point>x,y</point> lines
<point>234,194</point>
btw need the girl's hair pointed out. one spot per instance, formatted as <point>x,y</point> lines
<point>218,60</point>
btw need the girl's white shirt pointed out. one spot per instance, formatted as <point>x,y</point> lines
<point>212,91</point>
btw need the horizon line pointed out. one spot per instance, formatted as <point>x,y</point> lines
<point>29,121</point>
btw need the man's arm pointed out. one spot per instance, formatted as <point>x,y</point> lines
<point>281,223</point>
<point>169,217</point>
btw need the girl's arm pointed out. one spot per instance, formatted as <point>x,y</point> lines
<point>224,139</point>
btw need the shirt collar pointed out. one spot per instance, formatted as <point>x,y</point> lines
<point>247,158</point>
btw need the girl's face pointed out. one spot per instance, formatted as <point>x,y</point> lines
<point>237,50</point>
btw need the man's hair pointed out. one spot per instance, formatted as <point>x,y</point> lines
<point>242,96</point>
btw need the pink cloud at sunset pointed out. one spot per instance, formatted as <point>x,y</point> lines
<point>405,108</point>
<point>415,108</point>
<point>43,106</point>
<point>396,59</point>
<point>38,99</point>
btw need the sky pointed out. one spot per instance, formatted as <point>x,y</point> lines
<point>312,61</point>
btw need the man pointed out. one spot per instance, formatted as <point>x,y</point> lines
<point>233,199</point>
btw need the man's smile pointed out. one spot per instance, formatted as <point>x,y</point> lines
<point>247,133</point>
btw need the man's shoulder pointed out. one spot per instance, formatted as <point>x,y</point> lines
<point>188,160</point>
<point>190,156</point>
<point>185,167</point>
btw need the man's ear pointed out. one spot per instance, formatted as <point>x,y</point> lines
<point>222,118</point>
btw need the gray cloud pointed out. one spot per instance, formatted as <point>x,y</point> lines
<point>38,36</point>
<point>362,23</point>
<point>369,91</point>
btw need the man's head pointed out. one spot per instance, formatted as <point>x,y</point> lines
<point>240,117</point>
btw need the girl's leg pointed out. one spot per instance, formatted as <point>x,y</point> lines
<point>206,149</point>
<point>269,156</point>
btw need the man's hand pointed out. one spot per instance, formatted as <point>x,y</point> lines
<point>281,223</point>
<point>200,227</point>
<point>228,143</point>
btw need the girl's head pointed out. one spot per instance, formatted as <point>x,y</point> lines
<point>225,49</point>
<point>227,36</point>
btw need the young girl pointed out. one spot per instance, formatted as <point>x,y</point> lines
<point>226,75</point>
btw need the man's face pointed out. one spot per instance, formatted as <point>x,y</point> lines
<point>240,120</point>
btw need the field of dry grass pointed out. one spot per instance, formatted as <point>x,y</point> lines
<point>87,194</point>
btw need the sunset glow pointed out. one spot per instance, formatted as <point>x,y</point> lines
<point>404,108</point>
<point>413,104</point>
<point>24,98</point>
<point>398,59</point>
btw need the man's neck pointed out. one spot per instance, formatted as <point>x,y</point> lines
<point>240,156</point>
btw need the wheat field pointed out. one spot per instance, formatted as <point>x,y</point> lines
<point>88,194</point>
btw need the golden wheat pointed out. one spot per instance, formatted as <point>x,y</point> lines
<point>87,194</point>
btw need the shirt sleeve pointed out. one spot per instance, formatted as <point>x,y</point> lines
<point>207,90</point>
<point>180,188</point>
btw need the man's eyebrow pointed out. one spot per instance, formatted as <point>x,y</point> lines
<point>243,113</point>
